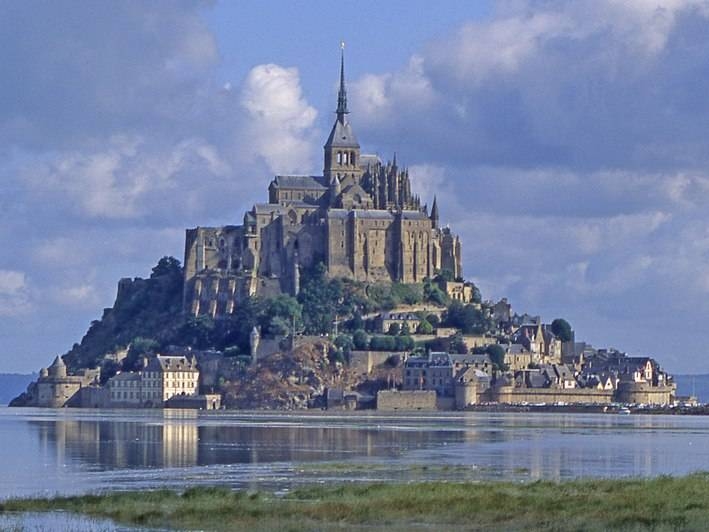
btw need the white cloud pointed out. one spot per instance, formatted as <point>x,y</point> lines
<point>375,97</point>
<point>119,179</point>
<point>482,50</point>
<point>14,293</point>
<point>281,121</point>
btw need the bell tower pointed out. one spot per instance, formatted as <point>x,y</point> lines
<point>342,148</point>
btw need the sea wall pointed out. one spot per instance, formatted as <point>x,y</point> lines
<point>643,393</point>
<point>551,395</point>
<point>406,400</point>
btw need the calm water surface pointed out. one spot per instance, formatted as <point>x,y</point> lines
<point>47,452</point>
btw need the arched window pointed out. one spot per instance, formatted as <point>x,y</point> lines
<point>344,158</point>
<point>339,157</point>
<point>352,158</point>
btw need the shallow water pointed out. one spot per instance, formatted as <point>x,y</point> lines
<point>53,521</point>
<point>47,452</point>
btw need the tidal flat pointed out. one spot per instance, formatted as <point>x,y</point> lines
<point>660,503</point>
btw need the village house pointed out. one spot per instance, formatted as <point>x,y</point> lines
<point>402,320</point>
<point>517,357</point>
<point>457,291</point>
<point>161,378</point>
<point>544,345</point>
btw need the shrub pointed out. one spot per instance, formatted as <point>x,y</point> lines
<point>360,339</point>
<point>424,327</point>
<point>382,343</point>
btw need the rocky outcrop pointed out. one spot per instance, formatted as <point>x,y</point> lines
<point>289,380</point>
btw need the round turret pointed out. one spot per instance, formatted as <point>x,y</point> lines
<point>58,368</point>
<point>43,373</point>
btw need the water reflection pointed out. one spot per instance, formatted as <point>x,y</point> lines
<point>72,451</point>
<point>184,438</point>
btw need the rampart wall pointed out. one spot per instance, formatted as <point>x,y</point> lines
<point>406,400</point>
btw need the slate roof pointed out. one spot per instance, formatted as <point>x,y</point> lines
<point>171,363</point>
<point>268,208</point>
<point>299,181</point>
<point>413,215</point>
<point>373,214</point>
<point>369,160</point>
<point>342,136</point>
<point>516,349</point>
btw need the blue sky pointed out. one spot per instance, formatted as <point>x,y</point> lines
<point>565,140</point>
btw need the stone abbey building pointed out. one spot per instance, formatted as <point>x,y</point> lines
<point>360,219</point>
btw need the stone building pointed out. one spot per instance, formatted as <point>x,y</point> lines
<point>360,218</point>
<point>162,378</point>
<point>55,388</point>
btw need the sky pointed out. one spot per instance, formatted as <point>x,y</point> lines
<point>565,141</point>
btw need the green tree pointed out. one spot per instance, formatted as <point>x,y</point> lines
<point>198,331</point>
<point>433,294</point>
<point>467,318</point>
<point>360,339</point>
<point>280,314</point>
<point>166,266</point>
<point>356,323</point>
<point>394,329</point>
<point>344,342</point>
<point>497,354</point>
<point>424,327</point>
<point>457,345</point>
<point>139,348</point>
<point>321,300</point>
<point>477,296</point>
<point>404,343</point>
<point>444,275</point>
<point>408,294</point>
<point>382,343</point>
<point>561,328</point>
<point>235,330</point>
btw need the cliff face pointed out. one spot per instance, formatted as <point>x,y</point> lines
<point>299,379</point>
<point>144,308</point>
<point>288,380</point>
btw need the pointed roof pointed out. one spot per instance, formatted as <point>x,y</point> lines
<point>58,363</point>
<point>342,93</point>
<point>342,134</point>
<point>434,209</point>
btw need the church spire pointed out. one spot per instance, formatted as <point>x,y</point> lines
<point>434,213</point>
<point>342,93</point>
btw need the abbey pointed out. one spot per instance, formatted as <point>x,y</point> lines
<point>360,219</point>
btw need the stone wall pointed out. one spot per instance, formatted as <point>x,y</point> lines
<point>551,395</point>
<point>644,393</point>
<point>362,362</point>
<point>389,400</point>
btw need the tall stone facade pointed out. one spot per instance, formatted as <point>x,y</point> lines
<point>360,219</point>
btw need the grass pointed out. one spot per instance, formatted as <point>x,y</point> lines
<point>663,503</point>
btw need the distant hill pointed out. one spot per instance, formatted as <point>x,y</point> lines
<point>697,385</point>
<point>13,384</point>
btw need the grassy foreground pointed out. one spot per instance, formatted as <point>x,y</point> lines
<point>664,503</point>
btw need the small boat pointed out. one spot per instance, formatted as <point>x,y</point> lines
<point>624,411</point>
